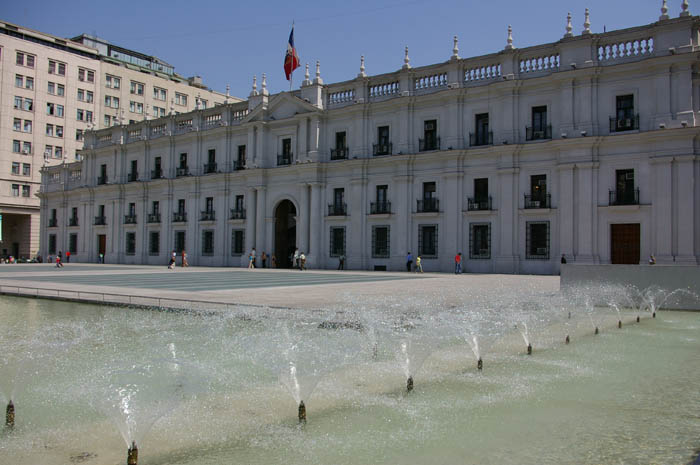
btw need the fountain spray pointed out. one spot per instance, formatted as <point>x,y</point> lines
<point>302,413</point>
<point>133,455</point>
<point>479,364</point>
<point>567,340</point>
<point>10,415</point>
<point>409,384</point>
<point>529,349</point>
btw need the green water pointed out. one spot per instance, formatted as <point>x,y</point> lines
<point>626,396</point>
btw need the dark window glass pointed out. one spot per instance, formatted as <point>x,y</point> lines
<point>130,243</point>
<point>481,189</point>
<point>73,243</point>
<point>538,187</point>
<point>237,242</point>
<point>154,243</point>
<point>480,240</point>
<point>539,119</point>
<point>537,240</point>
<point>337,242</point>
<point>428,240</point>
<point>380,242</point>
<point>625,107</point>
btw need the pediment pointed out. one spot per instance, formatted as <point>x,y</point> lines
<point>281,106</point>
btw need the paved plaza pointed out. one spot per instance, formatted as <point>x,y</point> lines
<point>274,287</point>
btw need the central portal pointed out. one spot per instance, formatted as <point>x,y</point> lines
<point>285,233</point>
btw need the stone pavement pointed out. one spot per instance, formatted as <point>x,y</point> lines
<point>200,286</point>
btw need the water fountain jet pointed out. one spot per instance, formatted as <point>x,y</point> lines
<point>529,349</point>
<point>132,457</point>
<point>637,318</point>
<point>302,413</point>
<point>10,415</point>
<point>479,364</point>
<point>596,330</point>
<point>409,384</point>
<point>619,323</point>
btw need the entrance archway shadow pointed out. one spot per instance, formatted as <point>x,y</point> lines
<point>285,233</point>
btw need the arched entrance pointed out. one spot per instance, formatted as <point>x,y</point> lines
<point>285,233</point>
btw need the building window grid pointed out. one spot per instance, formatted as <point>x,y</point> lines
<point>381,248</point>
<point>428,240</point>
<point>537,235</point>
<point>130,243</point>
<point>237,242</point>
<point>154,243</point>
<point>480,241</point>
<point>208,242</point>
<point>73,243</point>
<point>337,241</point>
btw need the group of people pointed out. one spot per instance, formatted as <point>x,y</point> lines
<point>173,259</point>
<point>263,259</point>
<point>419,263</point>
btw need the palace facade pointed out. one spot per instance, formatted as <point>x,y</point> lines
<point>586,147</point>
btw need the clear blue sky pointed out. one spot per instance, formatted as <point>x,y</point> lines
<point>227,42</point>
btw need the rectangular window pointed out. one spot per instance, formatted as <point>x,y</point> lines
<point>181,206</point>
<point>26,148</point>
<point>208,242</point>
<point>380,242</point>
<point>28,104</point>
<point>15,167</point>
<point>58,152</point>
<point>240,203</point>
<point>237,242</point>
<point>382,194</point>
<point>136,107</point>
<point>19,80</point>
<point>158,112</point>
<point>287,147</point>
<point>81,95</point>
<point>155,207</point>
<point>59,131</point>
<point>136,88</point>
<point>79,134</point>
<point>130,243</point>
<point>180,99</point>
<point>25,191</point>
<point>481,190</point>
<point>26,169</point>
<point>17,124</point>
<point>479,241</point>
<point>17,146</point>
<point>481,130</point>
<point>179,241</point>
<point>209,204</point>
<point>112,82</point>
<point>160,94</point>
<point>430,139</point>
<point>539,119</point>
<point>538,187</point>
<point>27,127</point>
<point>56,67</point>
<point>537,240</point>
<point>428,240</point>
<point>154,243</point>
<point>52,244</point>
<point>29,83</point>
<point>86,75</point>
<point>49,130</point>
<point>15,190</point>
<point>240,162</point>
<point>337,242</point>
<point>73,243</point>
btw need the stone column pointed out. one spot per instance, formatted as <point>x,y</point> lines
<point>302,139</point>
<point>451,207</point>
<point>507,260</point>
<point>566,211</point>
<point>303,216</point>
<point>314,138</point>
<point>250,223</point>
<point>661,209</point>
<point>402,206</point>
<point>316,226</point>
<point>585,206</point>
<point>355,252</point>
<point>687,206</point>
<point>260,214</point>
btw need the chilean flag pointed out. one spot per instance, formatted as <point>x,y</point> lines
<point>291,59</point>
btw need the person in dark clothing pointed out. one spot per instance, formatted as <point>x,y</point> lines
<point>563,259</point>
<point>409,261</point>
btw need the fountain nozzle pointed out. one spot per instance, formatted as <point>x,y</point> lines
<point>653,315</point>
<point>409,384</point>
<point>133,456</point>
<point>479,364</point>
<point>637,318</point>
<point>567,339</point>
<point>529,349</point>
<point>10,415</point>
<point>596,330</point>
<point>302,412</point>
<point>619,323</point>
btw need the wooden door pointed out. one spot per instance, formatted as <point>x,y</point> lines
<point>624,244</point>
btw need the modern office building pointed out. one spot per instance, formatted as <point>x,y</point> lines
<point>52,90</point>
<point>584,147</point>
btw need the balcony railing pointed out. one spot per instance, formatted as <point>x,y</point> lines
<point>339,154</point>
<point>154,217</point>
<point>624,124</point>
<point>237,214</point>
<point>132,177</point>
<point>72,221</point>
<point>623,197</point>
<point>337,209</point>
<point>156,174</point>
<point>432,143</point>
<point>182,171</point>
<point>179,217</point>
<point>538,201</point>
<point>208,215</point>
<point>284,159</point>
<point>480,138</point>
<point>238,165</point>
<point>129,219</point>
<point>378,208</point>
<point>209,168</point>
<point>101,180</point>
<point>538,133</point>
<point>53,222</point>
<point>478,204</point>
<point>100,221</point>
<point>382,149</point>
<point>428,206</point>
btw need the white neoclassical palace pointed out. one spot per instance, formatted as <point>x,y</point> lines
<point>586,147</point>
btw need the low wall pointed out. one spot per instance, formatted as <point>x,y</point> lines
<point>667,277</point>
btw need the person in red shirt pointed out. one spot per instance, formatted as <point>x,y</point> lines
<point>68,257</point>
<point>458,263</point>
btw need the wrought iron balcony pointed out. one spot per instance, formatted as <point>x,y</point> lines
<point>73,221</point>
<point>538,201</point>
<point>432,143</point>
<point>428,206</point>
<point>237,214</point>
<point>156,174</point>
<point>53,222</point>
<point>208,215</point>
<point>179,217</point>
<point>132,177</point>
<point>480,138</point>
<point>100,221</point>
<point>101,180</point>
<point>182,171</point>
<point>209,168</point>
<point>378,208</point>
<point>478,204</point>
<point>337,209</point>
<point>339,154</point>
<point>129,219</point>
<point>382,149</point>
<point>623,197</point>
<point>624,124</point>
<point>538,133</point>
<point>284,159</point>
<point>154,217</point>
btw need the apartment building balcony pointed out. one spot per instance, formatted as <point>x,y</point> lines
<point>537,201</point>
<point>379,208</point>
<point>208,215</point>
<point>479,204</point>
<point>428,206</point>
<point>237,214</point>
<point>337,209</point>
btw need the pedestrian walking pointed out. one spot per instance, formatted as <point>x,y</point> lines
<point>341,262</point>
<point>171,263</point>
<point>68,256</point>
<point>302,261</point>
<point>273,261</point>
<point>59,264</point>
<point>102,258</point>
<point>296,258</point>
<point>253,256</point>
<point>60,255</point>
<point>652,260</point>
<point>458,263</point>
<point>184,259</point>
<point>263,257</point>
<point>251,261</point>
<point>419,264</point>
<point>409,261</point>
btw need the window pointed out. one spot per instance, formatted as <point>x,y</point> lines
<point>52,244</point>
<point>27,127</point>
<point>56,89</point>
<point>240,162</point>
<point>537,240</point>
<point>481,136</point>
<point>16,146</point>
<point>54,109</point>
<point>158,112</point>
<point>179,241</point>
<point>25,104</point>
<point>26,148</point>
<point>15,167</point>
<point>181,206</point>
<point>26,169</point>
<point>430,139</point>
<point>237,242</point>
<point>17,124</point>
<point>25,82</point>
<point>626,120</point>
<point>155,207</point>
<point>24,59</point>
<point>83,115</point>
<point>287,147</point>
<point>130,243</point>
<point>539,129</point>
<point>111,101</point>
<point>29,83</point>
<point>58,152</point>
<point>136,88</point>
<point>481,190</point>
<point>48,151</point>
<point>160,94</point>
<point>154,243</point>
<point>59,131</point>
<point>73,243</point>
<point>428,240</point>
<point>56,67</point>
<point>538,190</point>
<point>340,140</point>
<point>479,241</point>
<point>337,241</point>
<point>380,242</point>
<point>112,82</point>
<point>85,95</point>
<point>81,95</point>
<point>625,193</point>
<point>180,99</point>
<point>49,130</point>
<point>208,242</point>
<point>183,160</point>
<point>25,191</point>
<point>383,146</point>
<point>79,134</point>
<point>19,80</point>
<point>86,75</point>
<point>15,190</point>
<point>240,203</point>
<point>136,107</point>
